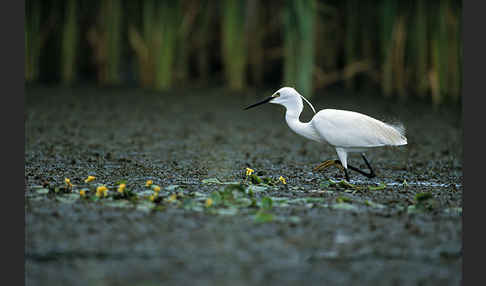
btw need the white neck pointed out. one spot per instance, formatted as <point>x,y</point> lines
<point>302,128</point>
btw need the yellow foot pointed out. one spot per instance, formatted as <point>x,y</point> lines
<point>328,163</point>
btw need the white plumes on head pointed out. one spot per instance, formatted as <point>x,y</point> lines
<point>313,109</point>
<point>291,89</point>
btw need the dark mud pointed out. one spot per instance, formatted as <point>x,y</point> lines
<point>181,138</point>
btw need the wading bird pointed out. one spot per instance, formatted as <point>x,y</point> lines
<point>347,131</point>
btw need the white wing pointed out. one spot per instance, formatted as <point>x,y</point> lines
<point>350,129</point>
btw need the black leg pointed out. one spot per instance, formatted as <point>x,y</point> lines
<point>346,173</point>
<point>329,163</point>
<point>370,175</point>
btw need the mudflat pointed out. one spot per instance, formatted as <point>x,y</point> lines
<point>211,224</point>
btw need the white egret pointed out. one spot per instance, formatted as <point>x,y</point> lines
<point>347,131</point>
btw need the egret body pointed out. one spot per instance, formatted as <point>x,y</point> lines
<point>346,131</point>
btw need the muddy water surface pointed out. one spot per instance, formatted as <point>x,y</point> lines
<point>320,232</point>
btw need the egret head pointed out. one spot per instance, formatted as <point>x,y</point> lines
<point>288,97</point>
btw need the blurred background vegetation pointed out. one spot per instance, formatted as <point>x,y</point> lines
<point>401,48</point>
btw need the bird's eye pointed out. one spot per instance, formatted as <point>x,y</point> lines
<point>276,94</point>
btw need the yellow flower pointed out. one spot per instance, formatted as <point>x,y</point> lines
<point>172,198</point>
<point>282,179</point>
<point>156,189</point>
<point>82,193</point>
<point>89,179</point>
<point>148,183</point>
<point>152,197</point>
<point>101,190</point>
<point>121,187</point>
<point>68,182</point>
<point>209,202</point>
<point>249,171</point>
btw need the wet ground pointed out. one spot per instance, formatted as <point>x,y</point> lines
<point>403,227</point>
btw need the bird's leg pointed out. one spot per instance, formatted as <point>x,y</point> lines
<point>370,175</point>
<point>346,173</point>
<point>328,163</point>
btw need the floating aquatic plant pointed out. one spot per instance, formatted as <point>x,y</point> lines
<point>121,188</point>
<point>89,179</point>
<point>102,191</point>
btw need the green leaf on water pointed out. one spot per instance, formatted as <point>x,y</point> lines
<point>345,184</point>
<point>268,181</point>
<point>263,217</point>
<point>421,197</point>
<point>230,193</point>
<point>343,200</point>
<point>425,202</point>
<point>198,194</point>
<point>216,197</point>
<point>243,202</point>
<point>118,203</point>
<point>255,179</point>
<point>344,206</point>
<point>191,204</point>
<point>266,203</point>
<point>280,202</point>
<point>171,188</point>
<point>324,184</point>
<point>145,206</point>
<point>455,210</point>
<point>412,209</point>
<point>224,211</point>
<point>145,193</point>
<point>374,205</point>
<point>235,187</point>
<point>211,181</point>
<point>294,219</point>
<point>217,181</point>
<point>227,196</point>
<point>159,208</point>
<point>68,198</point>
<point>256,189</point>
<point>332,182</point>
<point>381,186</point>
<point>315,200</point>
<point>231,183</point>
<point>304,200</point>
<point>42,191</point>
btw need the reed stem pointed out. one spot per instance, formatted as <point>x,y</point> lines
<point>69,43</point>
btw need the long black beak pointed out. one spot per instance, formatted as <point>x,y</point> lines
<point>259,103</point>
